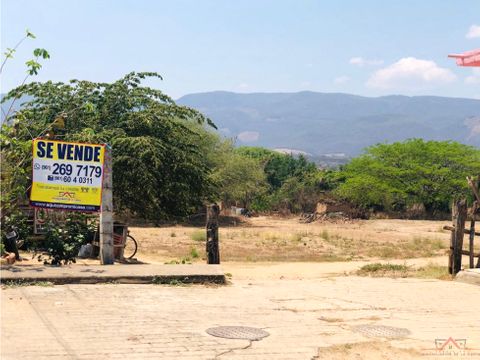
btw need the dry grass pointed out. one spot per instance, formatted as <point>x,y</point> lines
<point>417,247</point>
<point>378,269</point>
<point>430,271</point>
<point>280,239</point>
<point>198,235</point>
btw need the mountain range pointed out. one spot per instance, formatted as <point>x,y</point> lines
<point>334,125</point>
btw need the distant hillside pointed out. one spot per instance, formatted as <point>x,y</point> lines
<point>336,124</point>
<point>332,127</point>
<point>5,107</point>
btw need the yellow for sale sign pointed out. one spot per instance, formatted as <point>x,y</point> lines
<point>67,175</point>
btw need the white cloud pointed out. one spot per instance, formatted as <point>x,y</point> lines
<point>409,74</point>
<point>360,61</point>
<point>474,78</point>
<point>243,86</point>
<point>248,136</point>
<point>341,80</point>
<point>473,32</point>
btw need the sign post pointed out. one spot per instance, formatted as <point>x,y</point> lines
<point>75,177</point>
<point>106,214</point>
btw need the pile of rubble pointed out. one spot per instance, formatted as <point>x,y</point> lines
<point>332,217</point>
<point>332,212</point>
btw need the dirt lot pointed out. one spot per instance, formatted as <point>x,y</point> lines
<point>274,239</point>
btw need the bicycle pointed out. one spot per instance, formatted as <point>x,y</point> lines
<point>129,244</point>
<point>130,247</point>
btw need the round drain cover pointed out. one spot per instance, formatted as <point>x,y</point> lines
<point>238,332</point>
<point>381,331</point>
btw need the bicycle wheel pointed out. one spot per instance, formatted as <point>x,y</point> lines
<point>130,247</point>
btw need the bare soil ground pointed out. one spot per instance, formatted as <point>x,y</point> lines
<point>274,239</point>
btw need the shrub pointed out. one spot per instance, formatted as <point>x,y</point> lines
<point>194,253</point>
<point>199,235</point>
<point>63,241</point>
<point>378,267</point>
<point>325,235</point>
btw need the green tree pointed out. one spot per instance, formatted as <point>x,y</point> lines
<point>278,167</point>
<point>295,184</point>
<point>238,178</point>
<point>158,168</point>
<point>299,194</point>
<point>394,176</point>
<point>33,65</point>
<point>14,178</point>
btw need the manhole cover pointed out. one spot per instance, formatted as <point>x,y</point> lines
<point>238,332</point>
<point>381,331</point>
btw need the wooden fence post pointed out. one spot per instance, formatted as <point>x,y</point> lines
<point>106,214</point>
<point>475,186</point>
<point>212,247</point>
<point>459,216</point>
<point>452,240</point>
<point>471,239</point>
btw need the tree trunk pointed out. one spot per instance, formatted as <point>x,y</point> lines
<point>213,251</point>
<point>470,245</point>
<point>459,216</point>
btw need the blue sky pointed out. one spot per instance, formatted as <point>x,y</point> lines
<point>367,47</point>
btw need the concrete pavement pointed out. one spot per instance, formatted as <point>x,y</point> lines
<point>119,273</point>
<point>306,319</point>
<point>469,276</point>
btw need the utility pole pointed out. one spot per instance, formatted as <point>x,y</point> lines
<point>106,214</point>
